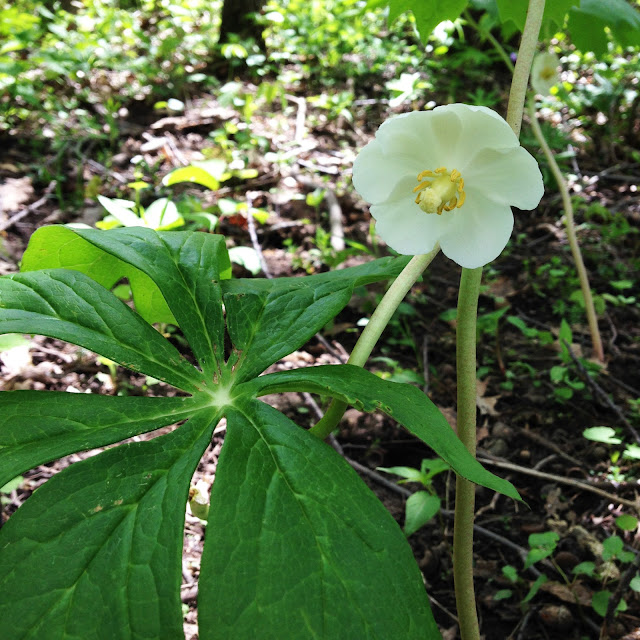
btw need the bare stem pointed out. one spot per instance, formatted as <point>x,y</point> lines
<point>569,223</point>
<point>372,332</point>
<point>466,421</point>
<point>466,359</point>
<point>520,80</point>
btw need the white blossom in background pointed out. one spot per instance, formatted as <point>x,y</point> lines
<point>447,176</point>
<point>544,73</point>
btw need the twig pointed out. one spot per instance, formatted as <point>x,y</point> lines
<point>251,224</point>
<point>332,171</point>
<point>336,231</point>
<point>544,461</point>
<point>503,464</point>
<point>602,394</point>
<point>301,116</point>
<point>550,445</point>
<point>31,208</point>
<point>622,588</point>
<point>341,357</point>
<point>175,156</point>
<point>425,363</point>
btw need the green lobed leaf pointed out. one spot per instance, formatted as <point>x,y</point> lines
<point>408,473</point>
<point>186,268</point>
<point>406,404</point>
<point>298,547</point>
<point>162,215</point>
<point>587,24</point>
<point>58,246</point>
<point>428,13</point>
<point>555,12</point>
<point>268,319</point>
<point>119,576</point>
<point>626,522</point>
<point>37,427</point>
<point>601,434</point>
<point>535,587</point>
<point>95,552</point>
<point>588,20</point>
<point>70,306</point>
<point>123,214</point>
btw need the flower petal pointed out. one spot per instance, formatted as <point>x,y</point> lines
<point>481,128</point>
<point>375,174</point>
<point>506,176</point>
<point>431,137</point>
<point>478,232</point>
<point>404,226</point>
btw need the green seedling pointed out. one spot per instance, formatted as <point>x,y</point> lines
<point>421,506</point>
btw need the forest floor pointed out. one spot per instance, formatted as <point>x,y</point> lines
<point>536,394</point>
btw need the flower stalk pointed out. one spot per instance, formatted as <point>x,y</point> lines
<point>372,332</point>
<point>527,50</point>
<point>466,358</point>
<point>466,421</point>
<point>569,223</point>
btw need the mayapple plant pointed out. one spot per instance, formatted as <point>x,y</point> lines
<point>296,545</point>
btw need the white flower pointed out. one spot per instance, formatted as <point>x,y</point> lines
<point>544,73</point>
<point>470,170</point>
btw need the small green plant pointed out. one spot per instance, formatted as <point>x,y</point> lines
<point>420,506</point>
<point>541,546</point>
<point>609,436</point>
<point>603,571</point>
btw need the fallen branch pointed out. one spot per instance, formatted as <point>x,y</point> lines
<point>601,393</point>
<point>31,208</point>
<point>503,464</point>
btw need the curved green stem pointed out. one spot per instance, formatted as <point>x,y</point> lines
<point>522,69</point>
<point>466,421</point>
<point>466,359</point>
<point>590,310</point>
<point>372,332</point>
<point>491,38</point>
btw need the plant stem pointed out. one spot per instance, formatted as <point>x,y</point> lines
<point>491,38</point>
<point>569,223</point>
<point>372,332</point>
<point>520,80</point>
<point>466,359</point>
<point>466,420</point>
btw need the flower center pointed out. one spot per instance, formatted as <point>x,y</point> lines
<point>548,73</point>
<point>440,190</point>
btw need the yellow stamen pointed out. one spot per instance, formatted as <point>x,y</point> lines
<point>422,185</point>
<point>443,191</point>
